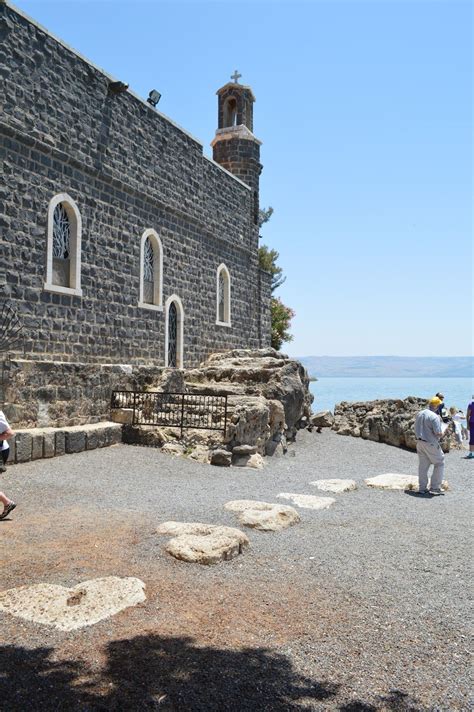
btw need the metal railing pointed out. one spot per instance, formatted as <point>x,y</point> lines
<point>174,410</point>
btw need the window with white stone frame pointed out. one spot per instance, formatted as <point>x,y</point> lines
<point>223,296</point>
<point>174,332</point>
<point>63,248</point>
<point>151,271</point>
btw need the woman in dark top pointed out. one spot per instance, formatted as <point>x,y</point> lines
<point>470,425</point>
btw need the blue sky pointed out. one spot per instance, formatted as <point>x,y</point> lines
<point>364,110</point>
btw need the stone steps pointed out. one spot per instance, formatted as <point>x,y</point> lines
<point>37,443</point>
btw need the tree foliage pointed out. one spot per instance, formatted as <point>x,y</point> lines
<point>264,215</point>
<point>281,318</point>
<point>267,260</point>
<point>281,315</point>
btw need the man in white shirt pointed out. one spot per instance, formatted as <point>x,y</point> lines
<point>5,434</point>
<point>428,431</point>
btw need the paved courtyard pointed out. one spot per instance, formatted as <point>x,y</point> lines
<point>363,606</point>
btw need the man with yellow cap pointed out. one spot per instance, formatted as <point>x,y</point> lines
<point>428,431</point>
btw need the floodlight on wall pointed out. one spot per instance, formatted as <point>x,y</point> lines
<point>117,87</point>
<point>154,97</point>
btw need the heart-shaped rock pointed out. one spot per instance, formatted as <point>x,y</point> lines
<point>71,608</point>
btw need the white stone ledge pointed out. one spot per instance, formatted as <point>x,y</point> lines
<point>58,289</point>
<point>152,307</point>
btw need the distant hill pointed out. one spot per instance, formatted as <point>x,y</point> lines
<point>389,366</point>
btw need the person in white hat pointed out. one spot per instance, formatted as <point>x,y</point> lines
<point>428,431</point>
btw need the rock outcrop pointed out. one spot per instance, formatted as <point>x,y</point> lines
<point>386,421</point>
<point>324,419</point>
<point>268,398</point>
<point>265,389</point>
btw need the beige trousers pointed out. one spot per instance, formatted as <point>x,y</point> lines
<point>429,454</point>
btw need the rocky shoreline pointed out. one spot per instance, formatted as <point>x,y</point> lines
<point>389,421</point>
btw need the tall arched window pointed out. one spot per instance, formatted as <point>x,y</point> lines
<point>223,296</point>
<point>63,250</point>
<point>151,271</point>
<point>174,318</point>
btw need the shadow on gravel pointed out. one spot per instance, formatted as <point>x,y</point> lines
<point>158,673</point>
<point>419,495</point>
<point>395,701</point>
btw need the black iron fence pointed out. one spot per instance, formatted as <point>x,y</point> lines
<point>174,410</point>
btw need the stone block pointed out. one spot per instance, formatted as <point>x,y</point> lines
<point>49,449</point>
<point>37,445</point>
<point>101,436</point>
<point>75,441</point>
<point>114,434</point>
<point>222,458</point>
<point>92,439</point>
<point>122,415</point>
<point>242,450</point>
<point>60,442</point>
<point>23,446</point>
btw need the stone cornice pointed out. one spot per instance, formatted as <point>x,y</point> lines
<point>235,132</point>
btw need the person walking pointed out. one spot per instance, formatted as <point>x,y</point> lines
<point>470,425</point>
<point>458,419</point>
<point>5,434</point>
<point>428,431</point>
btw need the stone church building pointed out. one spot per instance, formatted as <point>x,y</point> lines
<point>121,243</point>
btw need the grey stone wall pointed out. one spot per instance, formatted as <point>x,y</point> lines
<point>128,168</point>
<point>55,394</point>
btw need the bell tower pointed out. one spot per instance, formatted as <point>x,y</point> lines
<point>234,146</point>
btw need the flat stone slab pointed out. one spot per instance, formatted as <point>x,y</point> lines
<point>264,516</point>
<point>71,608</point>
<point>394,481</point>
<point>200,543</point>
<point>335,485</point>
<point>308,501</point>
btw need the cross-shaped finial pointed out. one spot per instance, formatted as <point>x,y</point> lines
<point>236,76</point>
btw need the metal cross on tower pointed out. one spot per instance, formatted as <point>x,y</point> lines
<point>236,76</point>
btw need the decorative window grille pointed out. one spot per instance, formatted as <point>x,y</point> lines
<point>148,272</point>
<point>61,233</point>
<point>221,297</point>
<point>172,336</point>
<point>63,247</point>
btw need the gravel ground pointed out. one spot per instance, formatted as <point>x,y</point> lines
<point>360,607</point>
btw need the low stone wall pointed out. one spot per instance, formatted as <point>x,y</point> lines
<point>37,443</point>
<point>56,394</point>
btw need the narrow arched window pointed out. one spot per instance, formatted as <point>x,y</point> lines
<point>61,246</point>
<point>174,320</point>
<point>148,273</point>
<point>223,296</point>
<point>151,271</point>
<point>63,258</point>
<point>230,112</point>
